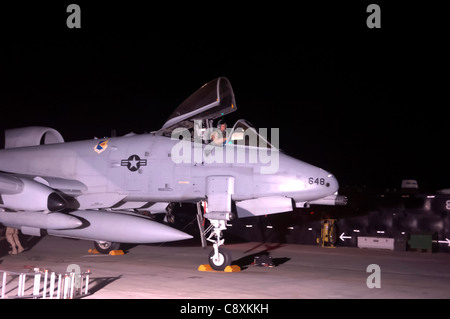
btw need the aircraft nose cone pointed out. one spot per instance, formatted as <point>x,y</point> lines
<point>332,182</point>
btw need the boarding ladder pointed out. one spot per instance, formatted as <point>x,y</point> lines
<point>69,285</point>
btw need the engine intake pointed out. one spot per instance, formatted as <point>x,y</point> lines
<point>31,136</point>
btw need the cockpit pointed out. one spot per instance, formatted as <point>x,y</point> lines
<point>199,111</point>
<point>244,133</point>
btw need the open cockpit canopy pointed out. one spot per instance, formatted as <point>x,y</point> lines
<point>211,101</point>
<point>197,113</point>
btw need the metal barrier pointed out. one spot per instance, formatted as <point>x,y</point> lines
<point>73,284</point>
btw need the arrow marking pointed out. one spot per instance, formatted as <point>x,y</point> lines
<point>343,237</point>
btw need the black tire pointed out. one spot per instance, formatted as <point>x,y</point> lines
<point>225,259</point>
<point>105,247</point>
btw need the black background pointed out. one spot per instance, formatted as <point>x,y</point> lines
<point>368,105</point>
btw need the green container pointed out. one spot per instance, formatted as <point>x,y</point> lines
<point>421,241</point>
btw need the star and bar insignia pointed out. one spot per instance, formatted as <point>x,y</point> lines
<point>133,163</point>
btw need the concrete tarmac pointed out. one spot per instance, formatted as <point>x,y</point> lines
<point>171,271</point>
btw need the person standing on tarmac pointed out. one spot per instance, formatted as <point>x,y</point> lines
<point>12,236</point>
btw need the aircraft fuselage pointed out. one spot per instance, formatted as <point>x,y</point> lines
<point>151,168</point>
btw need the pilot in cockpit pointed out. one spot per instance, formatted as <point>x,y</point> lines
<point>216,138</point>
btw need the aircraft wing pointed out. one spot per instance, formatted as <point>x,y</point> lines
<point>212,100</point>
<point>21,192</point>
<point>44,193</point>
<point>31,204</point>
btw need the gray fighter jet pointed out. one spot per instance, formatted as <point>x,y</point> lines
<point>98,189</point>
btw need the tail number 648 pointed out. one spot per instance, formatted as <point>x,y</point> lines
<point>318,181</point>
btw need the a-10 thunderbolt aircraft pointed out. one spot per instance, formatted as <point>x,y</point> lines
<point>97,189</point>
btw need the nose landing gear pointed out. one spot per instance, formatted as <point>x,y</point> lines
<point>218,210</point>
<point>219,258</point>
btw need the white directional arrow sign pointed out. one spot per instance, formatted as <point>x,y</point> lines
<point>343,237</point>
<point>446,241</point>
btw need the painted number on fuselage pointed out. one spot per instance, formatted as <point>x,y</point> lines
<point>317,181</point>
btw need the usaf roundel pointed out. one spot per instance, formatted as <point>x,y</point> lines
<point>134,162</point>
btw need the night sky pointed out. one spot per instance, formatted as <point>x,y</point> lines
<point>368,105</point>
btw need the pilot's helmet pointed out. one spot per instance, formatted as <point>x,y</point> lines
<point>221,122</point>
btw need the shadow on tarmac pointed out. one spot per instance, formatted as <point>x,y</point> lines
<point>96,284</point>
<point>249,260</point>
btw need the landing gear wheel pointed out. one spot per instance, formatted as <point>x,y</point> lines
<point>105,247</point>
<point>223,260</point>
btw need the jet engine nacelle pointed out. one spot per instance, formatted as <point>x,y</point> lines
<point>31,136</point>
